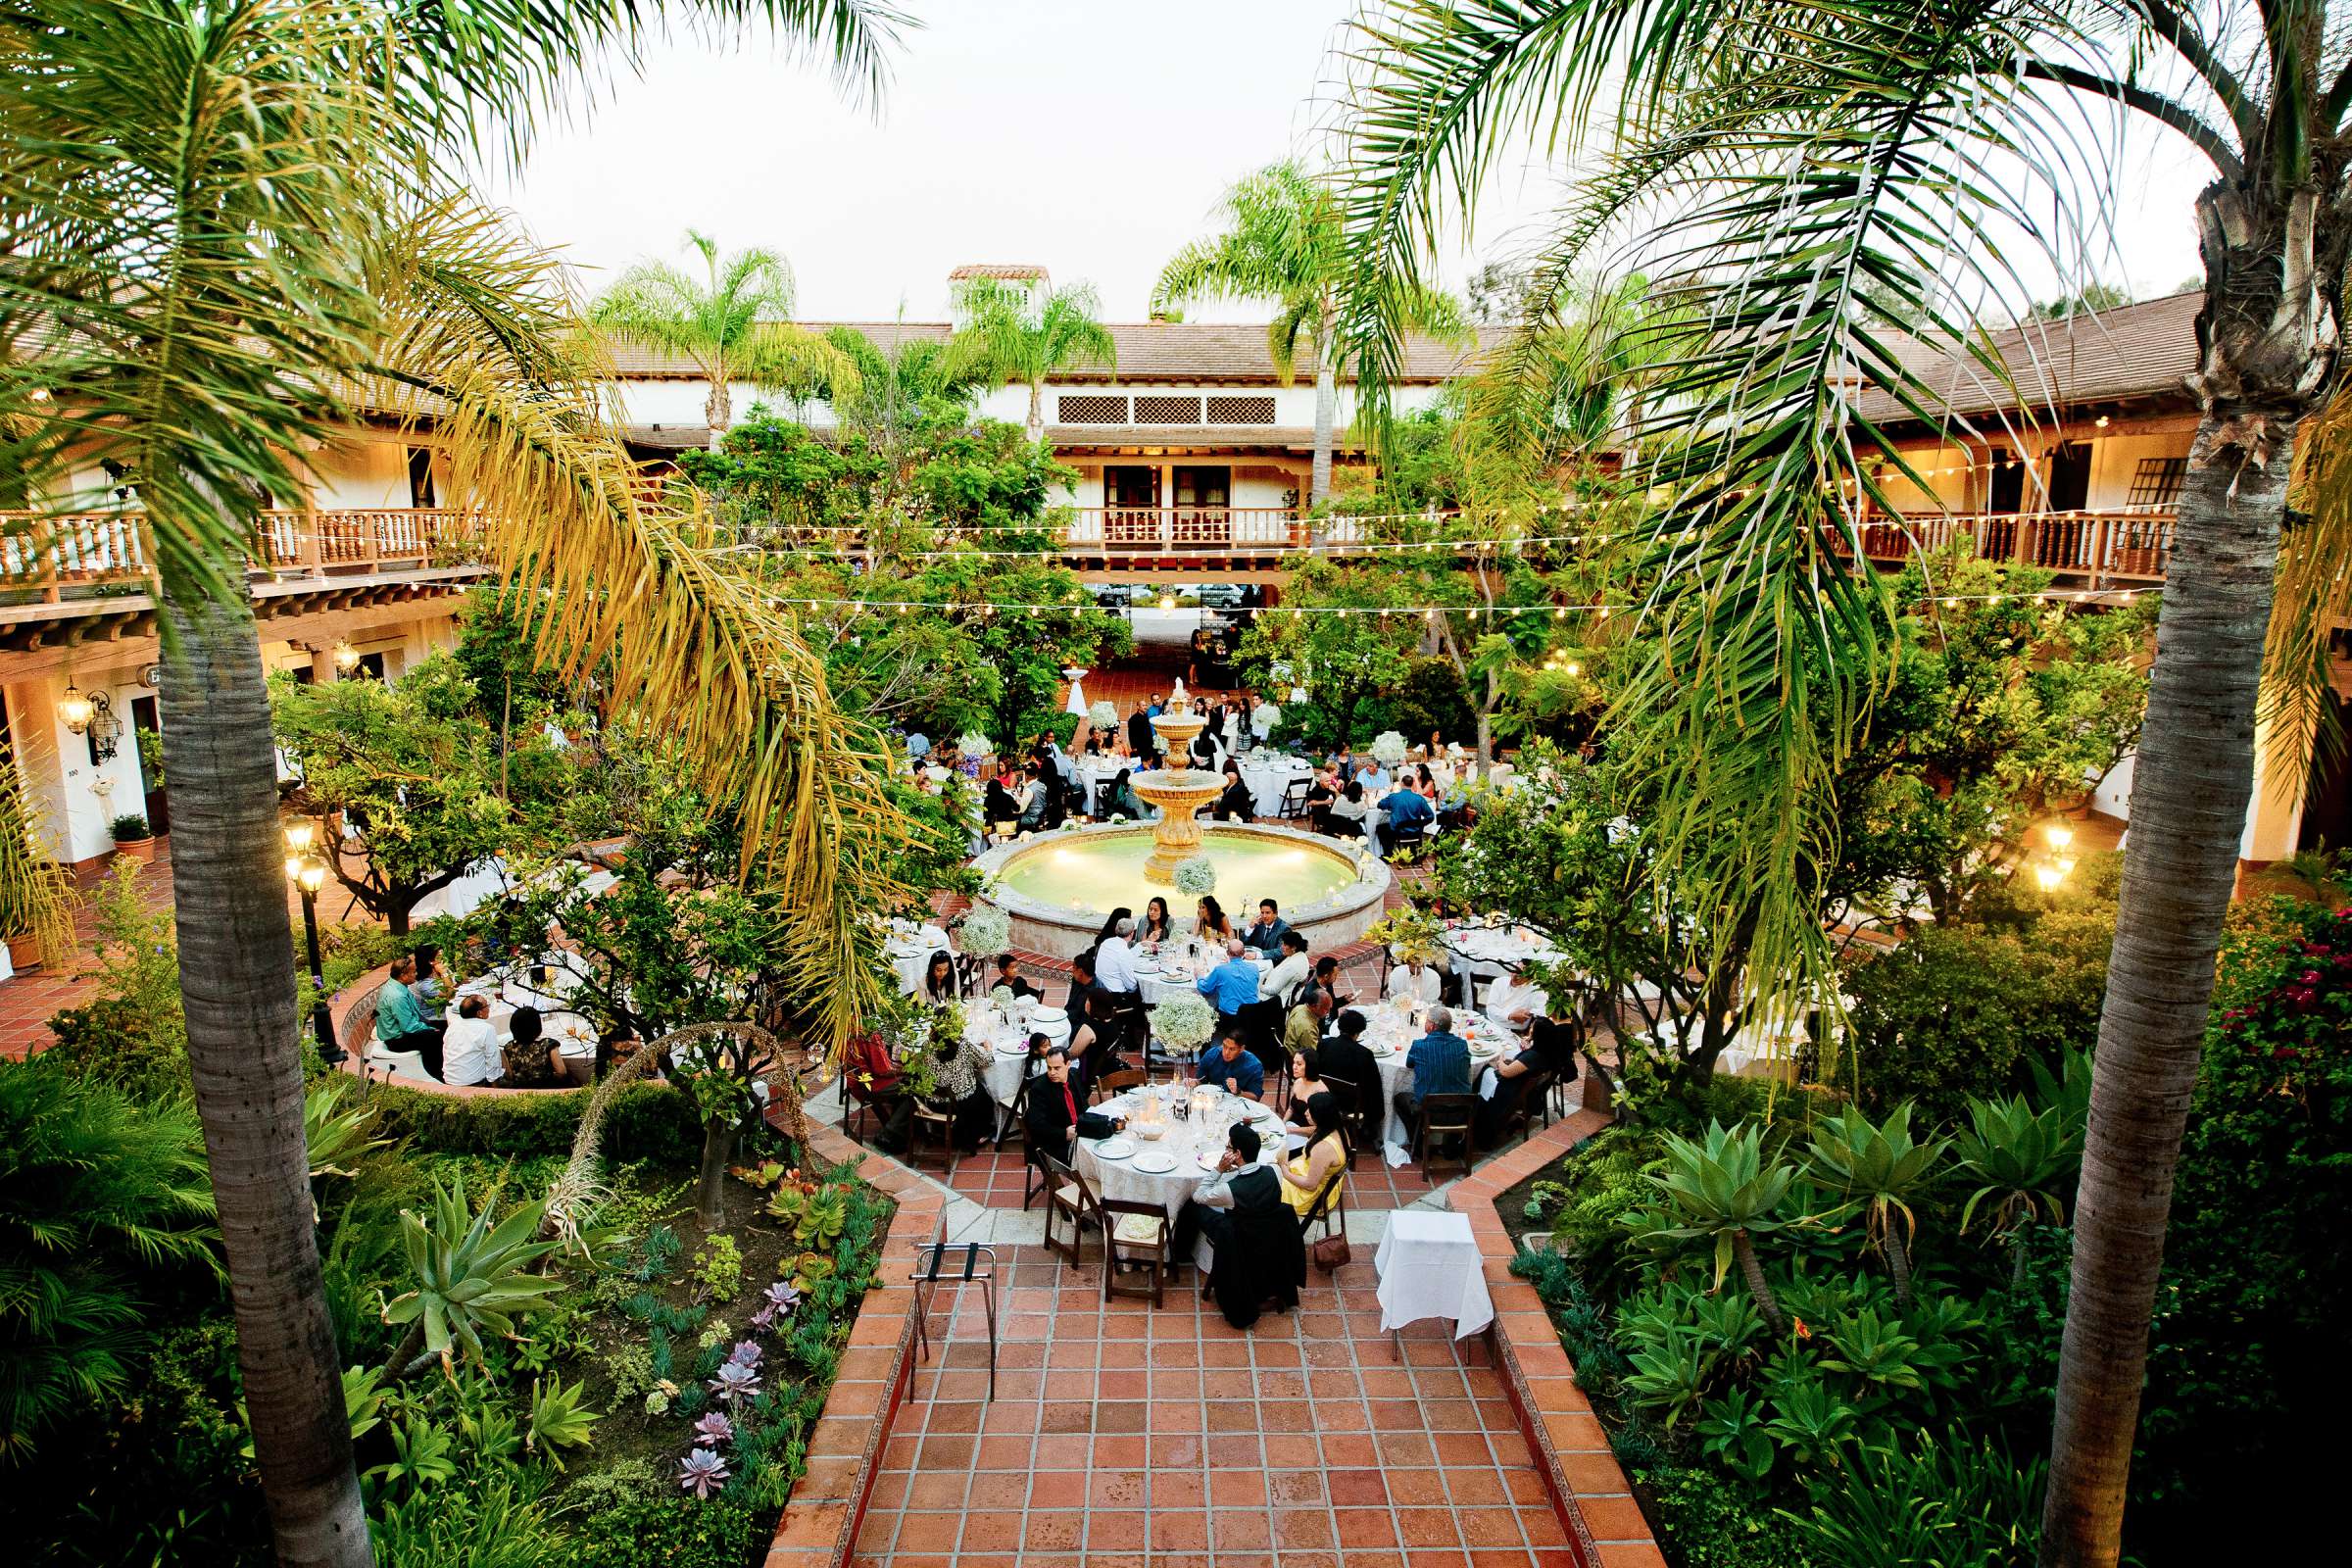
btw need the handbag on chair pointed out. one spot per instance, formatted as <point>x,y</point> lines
<point>1330,1253</point>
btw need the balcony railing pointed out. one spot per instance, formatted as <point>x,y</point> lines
<point>2101,547</point>
<point>46,558</point>
<point>1184,530</point>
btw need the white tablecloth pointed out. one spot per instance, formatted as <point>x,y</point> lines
<point>1752,1051</point>
<point>1429,1267</point>
<point>1172,973</point>
<point>1268,778</point>
<point>1008,1046</point>
<point>1489,950</point>
<point>512,988</point>
<point>1185,1141</point>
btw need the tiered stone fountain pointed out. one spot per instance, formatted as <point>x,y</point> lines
<point>1179,792</point>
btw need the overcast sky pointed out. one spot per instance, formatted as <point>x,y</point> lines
<point>1089,137</point>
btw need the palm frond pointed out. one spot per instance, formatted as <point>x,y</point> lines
<point>2313,597</point>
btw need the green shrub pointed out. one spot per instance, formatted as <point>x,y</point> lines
<point>1941,1501</point>
<point>676,1532</point>
<point>644,1121</point>
<point>1719,1526</point>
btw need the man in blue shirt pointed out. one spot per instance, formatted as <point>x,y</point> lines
<point>1440,1063</point>
<point>1231,985</point>
<point>1232,1067</point>
<point>1375,779</point>
<point>1267,935</point>
<point>1407,813</point>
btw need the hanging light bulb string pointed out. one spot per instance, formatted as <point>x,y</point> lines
<point>1555,611</point>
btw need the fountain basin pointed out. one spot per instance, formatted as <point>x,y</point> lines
<point>1057,887</point>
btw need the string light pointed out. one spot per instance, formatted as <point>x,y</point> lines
<point>1557,611</point>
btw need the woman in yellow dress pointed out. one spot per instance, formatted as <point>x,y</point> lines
<point>1323,1162</point>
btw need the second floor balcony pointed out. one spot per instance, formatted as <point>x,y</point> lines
<point>49,559</point>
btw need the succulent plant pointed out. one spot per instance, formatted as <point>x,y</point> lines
<point>702,1470</point>
<point>745,1353</point>
<point>782,1297</point>
<point>713,1430</point>
<point>735,1381</point>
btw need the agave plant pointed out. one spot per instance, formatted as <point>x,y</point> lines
<point>702,1470</point>
<point>470,1276</point>
<point>332,1137</point>
<point>1726,1191</point>
<point>1883,1169</point>
<point>557,1421</point>
<point>2020,1157</point>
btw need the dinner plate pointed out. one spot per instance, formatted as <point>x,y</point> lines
<point>1048,1016</point>
<point>1114,1148</point>
<point>1157,1162</point>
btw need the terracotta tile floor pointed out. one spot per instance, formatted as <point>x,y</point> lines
<point>1122,1435</point>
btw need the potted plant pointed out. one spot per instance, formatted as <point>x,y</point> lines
<point>133,837</point>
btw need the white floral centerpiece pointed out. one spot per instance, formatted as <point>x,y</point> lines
<point>1389,748</point>
<point>1264,719</point>
<point>1197,876</point>
<point>973,744</point>
<point>1102,715</point>
<point>1183,1023</point>
<point>986,930</point>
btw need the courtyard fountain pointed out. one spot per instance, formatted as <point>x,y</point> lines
<point>1057,887</point>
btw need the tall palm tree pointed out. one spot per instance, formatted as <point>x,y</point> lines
<point>1826,182</point>
<point>225,233</point>
<point>1019,337</point>
<point>734,322</point>
<point>1283,240</point>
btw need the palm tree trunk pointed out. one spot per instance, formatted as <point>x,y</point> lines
<point>1752,1271</point>
<point>2188,810</point>
<point>718,412</point>
<point>236,949</point>
<point>1037,412</point>
<point>1327,410</point>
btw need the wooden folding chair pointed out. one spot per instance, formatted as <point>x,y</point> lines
<point>1444,1117</point>
<point>1066,1196</point>
<point>935,1126</point>
<point>1327,1207</point>
<point>1114,1083</point>
<point>1138,1234</point>
<point>1358,1133</point>
<point>1294,797</point>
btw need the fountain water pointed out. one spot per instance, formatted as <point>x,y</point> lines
<point>1179,792</point>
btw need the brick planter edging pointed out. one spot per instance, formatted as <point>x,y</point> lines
<point>828,1502</point>
<point>1605,1526</point>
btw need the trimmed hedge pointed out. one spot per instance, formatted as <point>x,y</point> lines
<point>645,1121</point>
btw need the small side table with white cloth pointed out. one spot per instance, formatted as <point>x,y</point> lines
<point>1429,1267</point>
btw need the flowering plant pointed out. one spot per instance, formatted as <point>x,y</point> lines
<point>986,929</point>
<point>1002,999</point>
<point>1388,749</point>
<point>1410,934</point>
<point>1183,1023</point>
<point>1264,719</point>
<point>1102,715</point>
<point>1197,876</point>
<point>974,743</point>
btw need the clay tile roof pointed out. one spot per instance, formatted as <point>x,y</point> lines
<point>2132,352</point>
<point>1149,351</point>
<point>1019,272</point>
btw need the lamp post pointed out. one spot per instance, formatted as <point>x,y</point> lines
<point>308,873</point>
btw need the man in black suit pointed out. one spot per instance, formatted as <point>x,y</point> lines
<point>1260,1255</point>
<point>1055,1120</point>
<point>1344,1055</point>
<point>1141,738</point>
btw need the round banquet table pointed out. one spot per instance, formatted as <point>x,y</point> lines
<point>1270,778</point>
<point>511,988</point>
<point>1007,1042</point>
<point>1171,973</point>
<point>909,952</point>
<point>1389,1031</point>
<point>1492,951</point>
<point>1096,772</point>
<point>1196,1144</point>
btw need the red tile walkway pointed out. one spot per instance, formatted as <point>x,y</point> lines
<point>1121,1434</point>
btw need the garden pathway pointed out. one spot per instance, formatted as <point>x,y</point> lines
<point>1122,1435</point>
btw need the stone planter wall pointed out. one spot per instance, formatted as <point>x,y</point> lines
<point>1606,1528</point>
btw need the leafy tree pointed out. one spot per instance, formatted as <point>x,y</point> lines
<point>406,781</point>
<point>1283,241</point>
<point>1011,337</point>
<point>2089,299</point>
<point>734,322</point>
<point>100,1198</point>
<point>244,224</point>
<point>1796,165</point>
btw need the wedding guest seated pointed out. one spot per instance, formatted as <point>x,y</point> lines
<point>1550,1046</point>
<point>939,978</point>
<point>1344,1055</point>
<point>1293,973</point>
<point>1323,1164</point>
<point>1302,1030</point>
<point>1085,982</point>
<point>1327,978</point>
<point>1158,925</point>
<point>1239,1212</point>
<point>1514,1003</point>
<point>962,1077</point>
<point>1416,980</point>
<point>430,989</point>
<point>1410,814</point>
<point>1230,1066</point>
<point>400,1020</point>
<point>1055,1120</point>
<point>1209,922</point>
<point>1306,1082</point>
<point>1236,805</point>
<point>469,1052</point>
<point>529,1053</point>
<point>1008,976</point>
<point>1266,932</point>
<point>1324,790</point>
<point>1439,1062</point>
<point>1347,814</point>
<point>1232,986</point>
<point>1121,800</point>
<point>999,809</point>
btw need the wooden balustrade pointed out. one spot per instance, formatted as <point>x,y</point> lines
<point>48,556</point>
<point>2100,547</point>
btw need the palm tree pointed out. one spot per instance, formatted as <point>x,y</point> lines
<point>1014,338</point>
<point>221,232</point>
<point>734,322</point>
<point>1824,185</point>
<point>1283,240</point>
<point>1883,1169</point>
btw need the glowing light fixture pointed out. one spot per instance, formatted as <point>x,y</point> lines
<point>75,708</point>
<point>347,658</point>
